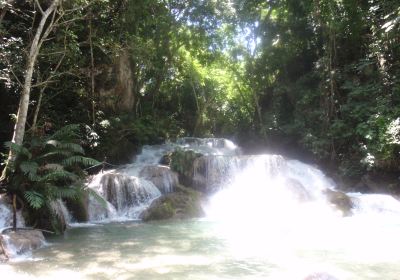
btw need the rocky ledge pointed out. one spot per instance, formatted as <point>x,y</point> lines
<point>182,204</point>
<point>19,242</point>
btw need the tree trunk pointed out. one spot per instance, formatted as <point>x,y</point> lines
<point>36,114</point>
<point>92,82</point>
<point>40,36</point>
<point>14,204</point>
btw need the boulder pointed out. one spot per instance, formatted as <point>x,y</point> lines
<point>183,204</point>
<point>182,162</point>
<point>161,176</point>
<point>21,241</point>
<point>79,208</point>
<point>166,159</point>
<point>340,201</point>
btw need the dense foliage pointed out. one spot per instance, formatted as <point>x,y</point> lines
<point>320,76</point>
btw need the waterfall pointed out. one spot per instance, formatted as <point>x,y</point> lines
<point>239,186</point>
<point>6,214</point>
<point>264,186</point>
<point>126,196</point>
<point>130,189</point>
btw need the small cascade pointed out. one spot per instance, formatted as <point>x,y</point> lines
<point>126,196</point>
<point>161,176</point>
<point>6,215</point>
<point>59,209</point>
<point>375,204</point>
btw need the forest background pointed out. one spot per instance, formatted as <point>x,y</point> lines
<point>317,80</point>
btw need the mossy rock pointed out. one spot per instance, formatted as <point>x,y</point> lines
<point>182,204</point>
<point>181,161</point>
<point>340,200</point>
<point>79,208</point>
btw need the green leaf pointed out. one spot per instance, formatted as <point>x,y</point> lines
<point>58,175</point>
<point>35,199</point>
<point>29,168</point>
<point>80,160</point>
<point>18,149</point>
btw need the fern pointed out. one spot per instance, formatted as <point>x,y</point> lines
<point>63,192</point>
<point>30,168</point>
<point>55,154</point>
<point>66,146</point>
<point>35,199</point>
<point>80,160</point>
<point>59,175</point>
<point>18,149</point>
<point>68,131</point>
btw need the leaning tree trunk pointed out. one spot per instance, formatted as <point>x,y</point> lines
<point>40,35</point>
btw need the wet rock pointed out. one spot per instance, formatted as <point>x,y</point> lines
<point>183,204</point>
<point>182,162</point>
<point>22,241</point>
<point>79,208</point>
<point>161,176</point>
<point>166,159</point>
<point>210,172</point>
<point>340,200</point>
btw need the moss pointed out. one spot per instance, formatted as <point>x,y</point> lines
<point>79,208</point>
<point>182,161</point>
<point>182,204</point>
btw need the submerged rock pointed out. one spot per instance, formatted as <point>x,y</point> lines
<point>340,200</point>
<point>183,204</point>
<point>21,241</point>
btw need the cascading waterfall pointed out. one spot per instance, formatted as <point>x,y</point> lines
<point>126,196</point>
<point>130,189</point>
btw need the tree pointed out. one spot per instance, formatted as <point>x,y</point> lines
<point>44,28</point>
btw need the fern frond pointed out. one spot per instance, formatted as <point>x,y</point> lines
<point>68,131</point>
<point>30,169</point>
<point>34,199</point>
<point>55,175</point>
<point>55,153</point>
<point>18,149</point>
<point>68,146</point>
<point>73,147</point>
<point>79,160</point>
<point>63,192</point>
